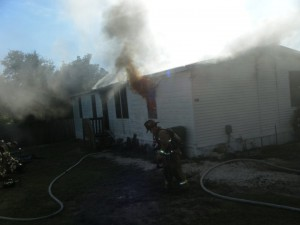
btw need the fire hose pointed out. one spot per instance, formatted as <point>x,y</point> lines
<point>61,205</point>
<point>240,200</point>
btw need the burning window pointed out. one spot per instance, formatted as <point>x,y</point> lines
<point>295,88</point>
<point>121,103</point>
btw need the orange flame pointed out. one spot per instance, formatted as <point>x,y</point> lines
<point>141,84</point>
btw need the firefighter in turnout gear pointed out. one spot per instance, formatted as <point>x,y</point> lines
<point>167,147</point>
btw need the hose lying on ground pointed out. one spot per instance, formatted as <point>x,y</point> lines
<point>61,205</point>
<point>246,200</point>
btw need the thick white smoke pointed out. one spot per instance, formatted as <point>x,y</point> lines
<point>165,34</point>
<point>273,31</point>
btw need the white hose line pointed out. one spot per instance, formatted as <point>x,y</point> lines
<point>246,200</point>
<point>61,205</point>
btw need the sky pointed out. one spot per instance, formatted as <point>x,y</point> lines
<point>161,34</point>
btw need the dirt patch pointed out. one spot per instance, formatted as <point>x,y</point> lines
<point>247,175</point>
<point>143,164</point>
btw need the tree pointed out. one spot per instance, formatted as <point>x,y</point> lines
<point>30,85</point>
<point>29,70</point>
<point>24,85</point>
<point>78,76</point>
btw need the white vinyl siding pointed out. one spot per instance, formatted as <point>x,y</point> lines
<point>173,98</point>
<point>77,119</point>
<point>87,109</point>
<point>99,105</point>
<point>250,93</point>
<point>225,94</point>
<point>174,105</point>
<point>137,110</point>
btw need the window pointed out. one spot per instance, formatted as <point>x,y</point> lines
<point>295,88</point>
<point>121,103</point>
<point>151,105</point>
<point>80,107</point>
<point>94,106</point>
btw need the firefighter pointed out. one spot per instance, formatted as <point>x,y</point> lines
<point>167,147</point>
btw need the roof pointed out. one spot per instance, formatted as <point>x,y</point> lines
<point>109,81</point>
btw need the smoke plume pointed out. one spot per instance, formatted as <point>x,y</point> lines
<point>270,32</point>
<point>126,26</point>
<point>19,102</point>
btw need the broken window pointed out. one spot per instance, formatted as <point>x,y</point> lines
<point>121,103</point>
<point>295,88</point>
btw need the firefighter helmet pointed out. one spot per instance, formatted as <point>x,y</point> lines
<point>149,124</point>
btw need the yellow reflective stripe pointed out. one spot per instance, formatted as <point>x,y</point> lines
<point>183,182</point>
<point>165,153</point>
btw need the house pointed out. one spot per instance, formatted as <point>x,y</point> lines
<point>241,102</point>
